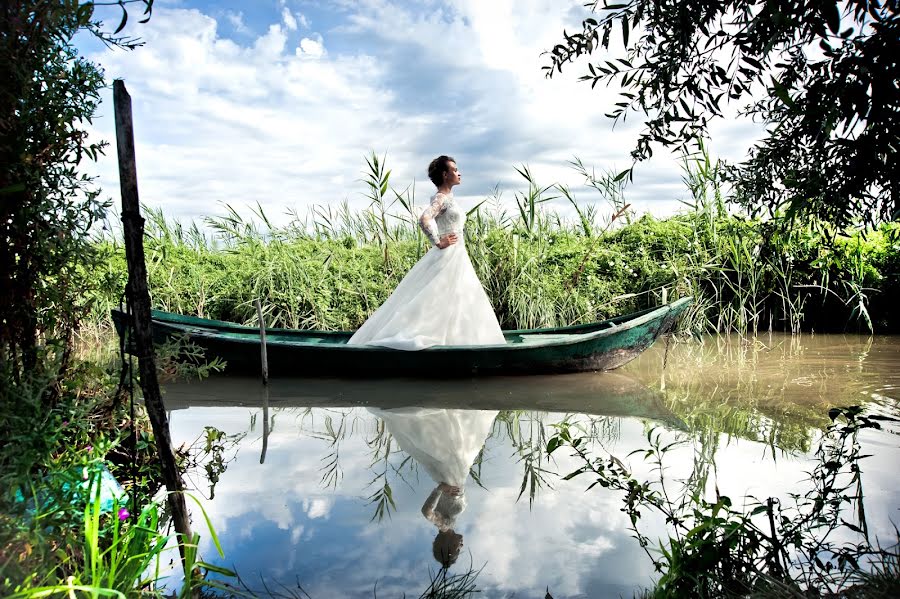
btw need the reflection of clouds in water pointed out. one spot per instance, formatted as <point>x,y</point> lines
<point>558,542</point>
<point>529,552</point>
<point>523,549</point>
<point>268,488</point>
<point>296,534</point>
<point>276,518</point>
<point>317,508</point>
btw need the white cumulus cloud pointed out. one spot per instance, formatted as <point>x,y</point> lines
<point>289,20</point>
<point>311,47</point>
<point>285,118</point>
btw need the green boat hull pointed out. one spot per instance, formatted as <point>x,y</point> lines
<point>598,346</point>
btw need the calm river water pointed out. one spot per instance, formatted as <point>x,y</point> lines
<point>317,491</point>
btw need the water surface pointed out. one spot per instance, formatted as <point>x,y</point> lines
<point>316,491</point>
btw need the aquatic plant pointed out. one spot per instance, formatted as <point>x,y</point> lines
<point>717,550</point>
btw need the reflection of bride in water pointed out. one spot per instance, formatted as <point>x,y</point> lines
<point>445,442</point>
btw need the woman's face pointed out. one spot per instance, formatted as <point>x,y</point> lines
<point>452,175</point>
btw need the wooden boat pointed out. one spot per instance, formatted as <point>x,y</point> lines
<point>597,346</point>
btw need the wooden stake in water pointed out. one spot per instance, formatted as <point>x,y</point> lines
<point>265,415</point>
<point>139,297</point>
<point>262,344</point>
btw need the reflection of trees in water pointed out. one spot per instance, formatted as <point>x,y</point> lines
<point>528,433</point>
<point>381,449</point>
<point>213,450</point>
<point>773,389</point>
<point>814,542</point>
<point>524,431</point>
<point>333,426</point>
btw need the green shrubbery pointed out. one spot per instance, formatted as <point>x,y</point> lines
<point>57,537</point>
<point>746,275</point>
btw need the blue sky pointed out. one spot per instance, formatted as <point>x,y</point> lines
<point>279,101</point>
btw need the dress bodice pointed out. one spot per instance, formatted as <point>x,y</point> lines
<point>452,219</point>
<point>442,215</point>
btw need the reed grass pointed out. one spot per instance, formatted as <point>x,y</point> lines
<point>331,268</point>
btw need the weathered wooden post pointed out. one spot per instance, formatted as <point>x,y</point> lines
<point>262,343</point>
<point>137,293</point>
<point>265,379</point>
<point>265,414</point>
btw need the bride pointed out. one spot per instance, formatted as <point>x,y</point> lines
<point>440,301</point>
<point>445,442</point>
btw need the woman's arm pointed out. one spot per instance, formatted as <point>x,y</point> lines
<point>429,227</point>
<point>431,502</point>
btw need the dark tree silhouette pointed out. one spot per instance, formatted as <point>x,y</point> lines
<point>47,206</point>
<point>829,71</point>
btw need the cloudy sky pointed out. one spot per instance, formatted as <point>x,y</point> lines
<point>279,102</point>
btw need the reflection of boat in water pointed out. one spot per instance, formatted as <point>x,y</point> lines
<point>610,394</point>
<point>590,347</point>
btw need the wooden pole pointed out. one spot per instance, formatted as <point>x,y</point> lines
<point>137,293</point>
<point>265,378</point>
<point>262,343</point>
<point>265,439</point>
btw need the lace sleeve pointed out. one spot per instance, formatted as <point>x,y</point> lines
<point>426,221</point>
<point>430,503</point>
<point>441,509</point>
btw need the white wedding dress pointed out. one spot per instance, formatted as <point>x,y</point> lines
<point>445,442</point>
<point>440,301</point>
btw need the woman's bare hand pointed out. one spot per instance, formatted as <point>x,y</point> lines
<point>447,240</point>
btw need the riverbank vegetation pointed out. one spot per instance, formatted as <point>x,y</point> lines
<point>68,430</point>
<point>331,268</point>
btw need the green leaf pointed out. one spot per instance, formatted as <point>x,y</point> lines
<point>85,12</point>
<point>832,15</point>
<point>477,206</point>
<point>209,526</point>
<point>752,61</point>
<point>782,93</point>
<point>552,445</point>
<point>622,175</point>
<point>216,569</point>
<point>124,20</point>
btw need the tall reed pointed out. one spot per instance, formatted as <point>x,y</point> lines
<point>333,266</point>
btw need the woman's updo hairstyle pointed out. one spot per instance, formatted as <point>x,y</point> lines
<point>446,547</point>
<point>437,168</point>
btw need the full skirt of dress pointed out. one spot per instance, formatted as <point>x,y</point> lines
<point>440,301</point>
<point>445,442</point>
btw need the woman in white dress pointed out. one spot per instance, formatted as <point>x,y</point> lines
<point>445,442</point>
<point>440,301</point>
